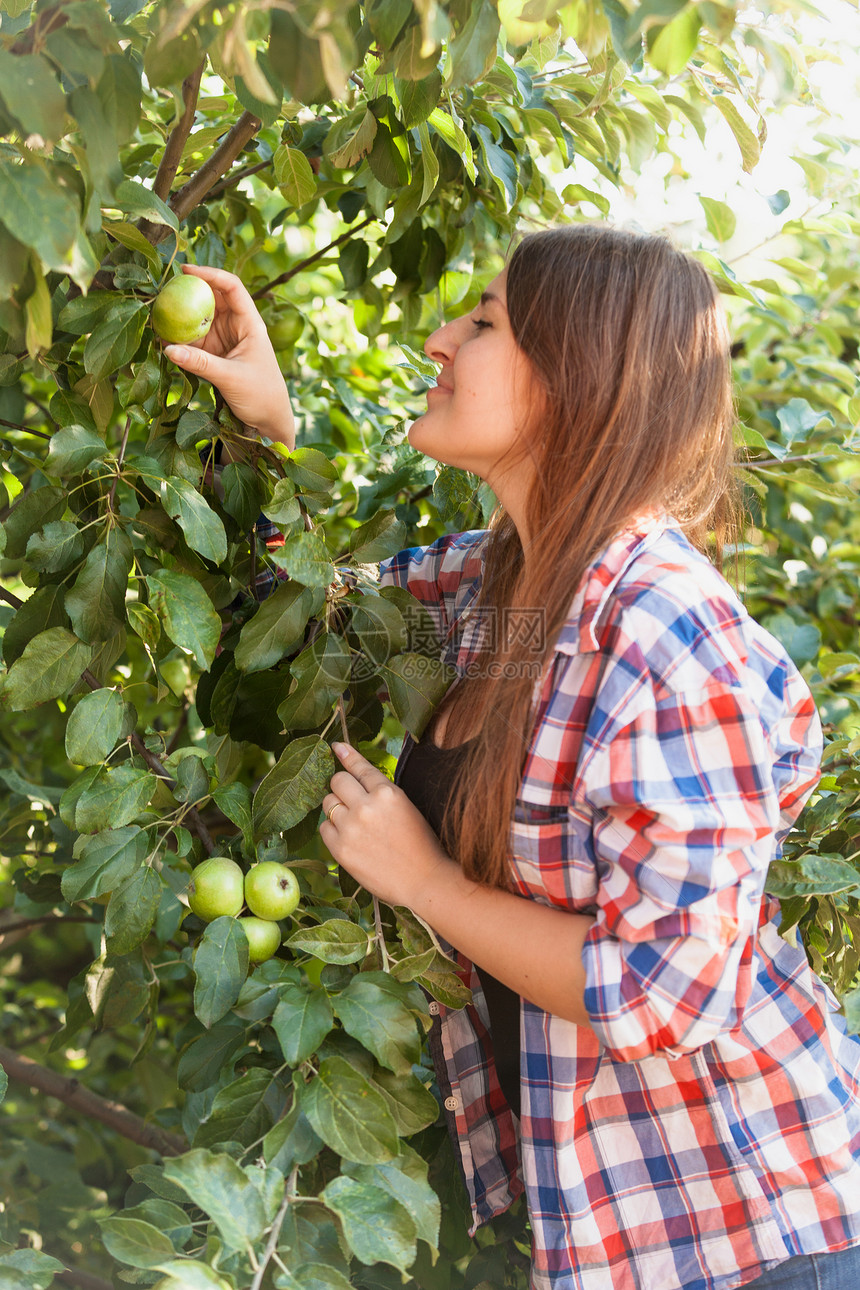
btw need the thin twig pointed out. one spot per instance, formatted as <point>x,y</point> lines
<point>232,180</point>
<point>10,598</point>
<point>21,924</point>
<point>73,1094</point>
<point>272,1243</point>
<point>16,425</point>
<point>179,135</point>
<point>312,259</point>
<point>119,461</point>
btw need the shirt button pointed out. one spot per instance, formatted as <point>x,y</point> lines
<point>433,1009</point>
<point>451,1104</point>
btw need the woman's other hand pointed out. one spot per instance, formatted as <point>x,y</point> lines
<point>374,831</point>
<point>237,356</point>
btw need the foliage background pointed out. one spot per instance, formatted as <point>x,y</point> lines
<point>363,168</point>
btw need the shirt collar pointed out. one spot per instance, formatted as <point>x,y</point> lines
<point>579,635</point>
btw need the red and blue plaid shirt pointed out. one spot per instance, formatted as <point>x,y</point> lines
<point>707,1126</point>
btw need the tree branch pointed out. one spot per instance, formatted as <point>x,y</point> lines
<point>178,136</point>
<point>231,180</point>
<point>312,259</point>
<point>21,924</point>
<point>198,186</point>
<point>16,425</point>
<point>86,1280</point>
<point>73,1094</point>
<point>10,598</point>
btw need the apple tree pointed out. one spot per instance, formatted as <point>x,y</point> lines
<point>183,635</point>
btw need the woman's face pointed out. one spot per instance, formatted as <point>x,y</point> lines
<point>484,398</point>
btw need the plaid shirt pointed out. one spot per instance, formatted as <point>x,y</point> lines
<point>707,1126</point>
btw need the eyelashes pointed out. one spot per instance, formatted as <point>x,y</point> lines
<point>480,323</point>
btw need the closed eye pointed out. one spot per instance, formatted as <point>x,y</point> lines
<point>480,323</point>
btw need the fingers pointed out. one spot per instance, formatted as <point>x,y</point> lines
<point>236,295</point>
<point>359,767</point>
<point>198,361</point>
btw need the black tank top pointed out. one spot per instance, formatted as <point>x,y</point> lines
<point>427,775</point>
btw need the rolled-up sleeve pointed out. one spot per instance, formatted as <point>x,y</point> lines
<point>688,802</point>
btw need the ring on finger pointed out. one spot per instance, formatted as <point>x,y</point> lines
<point>330,812</point>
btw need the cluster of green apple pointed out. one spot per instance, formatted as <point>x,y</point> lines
<point>219,888</point>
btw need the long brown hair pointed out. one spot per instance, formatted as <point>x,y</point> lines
<point>628,346</point>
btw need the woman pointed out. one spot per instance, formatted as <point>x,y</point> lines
<point>607,781</point>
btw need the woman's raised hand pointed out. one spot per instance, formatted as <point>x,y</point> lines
<point>237,356</point>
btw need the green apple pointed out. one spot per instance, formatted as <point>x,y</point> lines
<point>263,936</point>
<point>518,30</point>
<point>183,310</point>
<point>286,328</point>
<point>216,888</point>
<point>271,890</point>
<point>177,1282</point>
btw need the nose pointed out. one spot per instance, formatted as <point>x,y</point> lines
<point>442,344</point>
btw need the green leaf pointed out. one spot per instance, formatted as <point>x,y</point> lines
<point>322,675</point>
<point>203,529</point>
<point>801,640</point>
<point>380,628</point>
<point>297,783</point>
<point>32,94</point>
<point>116,340</point>
<point>283,509</point>
<point>720,218</point>
<point>132,910</point>
<point>132,238</point>
<point>310,470</point>
<point>136,199</point>
<point>306,559</point>
<point>216,1184</point>
<point>406,1180</point>
<point>55,547</point>
<point>412,1106</point>
<point>30,513</point>
<point>30,187</point>
<point>319,1276</point>
<point>377,1228</point>
<point>294,176</point>
<point>334,941</point>
<point>191,1275</point>
<point>379,1013</point>
<point>747,141</point>
<point>210,1054</point>
<point>674,45</point>
<point>96,602</point>
<point>240,1112</point>
<point>221,965</point>
<point>381,536</point>
<point>94,727</point>
<point>350,153</point>
<point>277,628</point>
<point>104,861</point>
<point>27,1269</point>
<point>134,1242</point>
<point>473,48</point>
<point>235,802</point>
<point>349,1114</point>
<point>416,684</point>
<point>301,1021</point>
<point>48,668</point>
<point>186,613</point>
<point>243,493</point>
<point>114,798</point>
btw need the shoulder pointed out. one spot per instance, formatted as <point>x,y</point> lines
<point>454,557</point>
